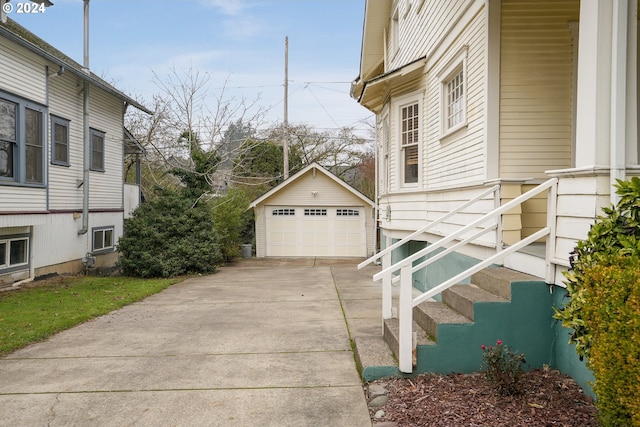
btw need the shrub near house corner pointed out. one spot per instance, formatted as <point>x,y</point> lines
<point>612,315</point>
<point>169,235</point>
<point>603,310</point>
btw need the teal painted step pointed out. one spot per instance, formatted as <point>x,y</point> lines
<point>498,304</point>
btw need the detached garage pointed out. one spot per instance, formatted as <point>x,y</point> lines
<point>314,213</point>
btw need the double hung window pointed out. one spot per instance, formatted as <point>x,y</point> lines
<point>59,141</point>
<point>454,93</point>
<point>22,141</point>
<point>97,150</point>
<point>409,141</point>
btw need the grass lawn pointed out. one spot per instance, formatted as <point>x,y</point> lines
<point>40,310</point>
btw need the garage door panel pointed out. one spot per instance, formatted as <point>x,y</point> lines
<point>323,231</point>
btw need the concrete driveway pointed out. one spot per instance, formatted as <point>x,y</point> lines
<point>260,343</point>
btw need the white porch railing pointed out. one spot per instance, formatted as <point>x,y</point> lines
<point>406,268</point>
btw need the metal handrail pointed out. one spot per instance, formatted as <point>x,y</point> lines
<point>428,226</point>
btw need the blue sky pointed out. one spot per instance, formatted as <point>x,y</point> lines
<point>237,41</point>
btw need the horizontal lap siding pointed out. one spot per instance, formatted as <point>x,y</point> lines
<point>458,159</point>
<point>66,101</point>
<point>106,116</point>
<point>536,86</point>
<point>21,72</point>
<point>421,30</point>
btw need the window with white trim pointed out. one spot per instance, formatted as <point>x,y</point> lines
<point>315,212</point>
<point>409,142</point>
<point>283,212</point>
<point>455,104</point>
<point>103,239</point>
<point>22,141</point>
<point>14,253</point>
<point>386,152</point>
<point>454,91</point>
<point>97,150</point>
<point>59,141</point>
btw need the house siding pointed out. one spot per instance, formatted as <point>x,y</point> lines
<point>51,214</point>
<point>457,159</point>
<point>18,66</point>
<point>437,17</point>
<point>66,102</point>
<point>536,86</point>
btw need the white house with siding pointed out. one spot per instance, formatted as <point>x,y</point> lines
<point>48,222</point>
<point>488,99</point>
<point>314,214</point>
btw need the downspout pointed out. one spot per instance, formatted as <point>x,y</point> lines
<point>86,132</point>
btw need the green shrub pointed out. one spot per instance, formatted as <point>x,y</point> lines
<point>502,368</point>
<point>233,222</point>
<point>616,233</point>
<point>611,313</point>
<point>169,236</point>
<point>602,310</point>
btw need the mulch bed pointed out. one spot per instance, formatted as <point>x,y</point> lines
<point>547,398</point>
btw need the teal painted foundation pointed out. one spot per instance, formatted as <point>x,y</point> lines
<point>526,325</point>
<point>565,357</point>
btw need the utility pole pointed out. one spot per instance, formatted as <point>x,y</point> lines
<point>285,123</point>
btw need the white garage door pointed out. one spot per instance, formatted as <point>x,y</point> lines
<point>315,231</point>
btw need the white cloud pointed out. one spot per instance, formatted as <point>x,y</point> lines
<point>227,7</point>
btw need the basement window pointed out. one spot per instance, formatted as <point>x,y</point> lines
<point>14,253</point>
<point>103,239</point>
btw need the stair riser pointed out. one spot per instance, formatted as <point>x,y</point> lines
<point>426,322</point>
<point>391,338</point>
<point>459,303</point>
<point>492,284</point>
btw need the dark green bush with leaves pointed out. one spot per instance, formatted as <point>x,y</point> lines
<point>170,235</point>
<point>602,309</point>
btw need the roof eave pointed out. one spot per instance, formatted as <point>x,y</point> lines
<point>73,69</point>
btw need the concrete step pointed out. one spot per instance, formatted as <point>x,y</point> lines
<point>391,335</point>
<point>428,315</point>
<point>497,280</point>
<point>462,297</point>
<point>374,358</point>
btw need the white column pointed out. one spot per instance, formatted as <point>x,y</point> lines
<point>593,117</point>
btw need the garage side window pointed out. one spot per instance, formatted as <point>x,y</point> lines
<point>283,212</point>
<point>315,212</point>
<point>347,212</point>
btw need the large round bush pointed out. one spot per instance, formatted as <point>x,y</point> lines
<point>168,236</point>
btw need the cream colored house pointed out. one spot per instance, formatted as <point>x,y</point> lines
<point>62,200</point>
<point>314,214</point>
<point>480,101</point>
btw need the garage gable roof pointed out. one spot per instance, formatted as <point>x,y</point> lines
<point>316,168</point>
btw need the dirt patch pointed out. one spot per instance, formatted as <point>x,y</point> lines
<point>547,398</point>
